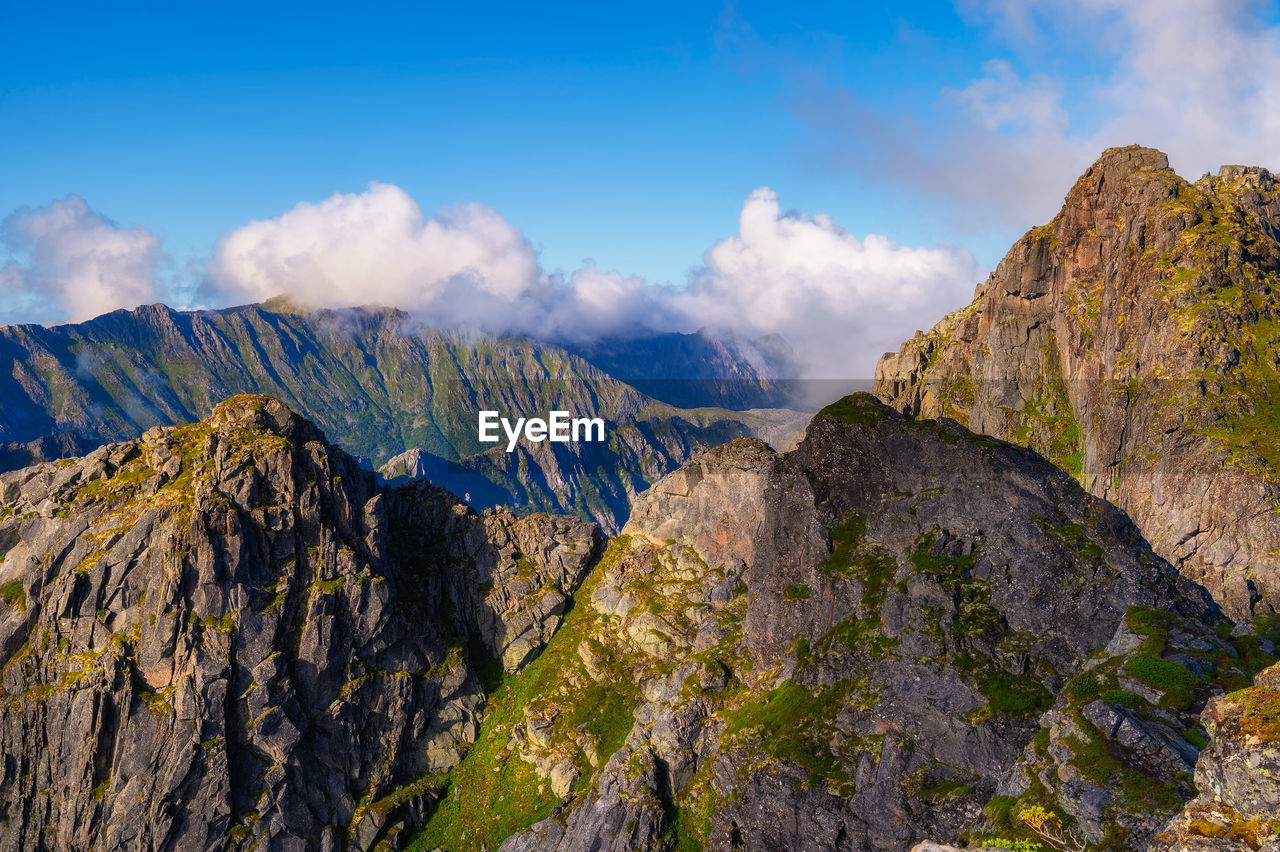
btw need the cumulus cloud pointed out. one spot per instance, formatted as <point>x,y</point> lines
<point>69,263</point>
<point>378,246</point>
<point>838,299</point>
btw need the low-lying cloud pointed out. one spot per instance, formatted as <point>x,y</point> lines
<point>70,264</point>
<point>838,300</point>
<point>378,246</point>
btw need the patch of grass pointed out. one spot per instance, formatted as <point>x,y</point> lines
<point>156,702</point>
<point>424,785</point>
<point>1124,698</point>
<point>225,624</point>
<point>14,595</point>
<point>1013,695</point>
<point>1196,737</point>
<point>1174,680</point>
<point>1090,754</point>
<point>1074,537</point>
<point>796,593</point>
<point>1152,624</point>
<point>941,567</point>
<point>793,724</point>
<point>689,826</point>
<point>492,793</point>
<point>845,538</point>
<point>859,409</point>
<point>946,791</point>
<point>328,587</point>
<point>1087,686</point>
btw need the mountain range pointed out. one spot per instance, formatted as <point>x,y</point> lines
<point>388,387</point>
<point>1020,598</point>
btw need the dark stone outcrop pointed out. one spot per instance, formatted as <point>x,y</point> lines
<point>229,636</point>
<point>848,647</point>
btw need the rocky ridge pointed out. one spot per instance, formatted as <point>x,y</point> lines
<point>1132,341</point>
<point>228,635</point>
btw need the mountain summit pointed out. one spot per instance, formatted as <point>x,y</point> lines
<point>1134,341</point>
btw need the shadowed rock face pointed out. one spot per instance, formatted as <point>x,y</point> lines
<point>227,635</point>
<point>1132,341</point>
<point>846,647</point>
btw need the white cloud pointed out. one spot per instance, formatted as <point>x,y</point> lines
<point>839,300</point>
<point>70,263</point>
<point>1199,79</point>
<point>378,247</point>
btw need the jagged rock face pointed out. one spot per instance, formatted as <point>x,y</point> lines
<point>1115,755</point>
<point>1132,341</point>
<point>846,647</point>
<point>227,635</point>
<point>375,380</point>
<point>1238,776</point>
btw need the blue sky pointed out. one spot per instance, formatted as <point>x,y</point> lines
<point>631,135</point>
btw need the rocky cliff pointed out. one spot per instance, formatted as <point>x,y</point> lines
<point>379,384</point>
<point>1238,776</point>
<point>229,636</point>
<point>1133,340</point>
<point>853,646</point>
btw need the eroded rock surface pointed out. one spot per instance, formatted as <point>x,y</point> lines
<point>846,647</point>
<point>1132,341</point>
<point>1238,776</point>
<point>227,635</point>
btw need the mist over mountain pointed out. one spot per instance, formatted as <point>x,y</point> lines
<point>787,282</point>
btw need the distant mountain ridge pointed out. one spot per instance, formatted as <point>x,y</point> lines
<point>371,377</point>
<point>694,370</point>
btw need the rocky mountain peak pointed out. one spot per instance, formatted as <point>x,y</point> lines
<point>1131,340</point>
<point>844,647</point>
<point>263,415</point>
<point>1123,161</point>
